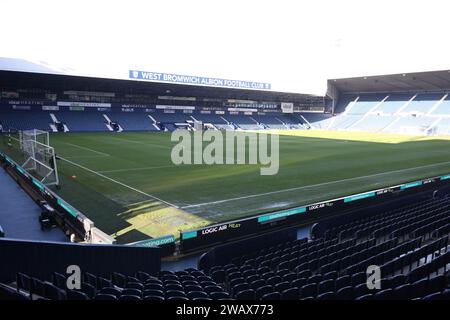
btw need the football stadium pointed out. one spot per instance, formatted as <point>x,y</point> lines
<point>197,185</point>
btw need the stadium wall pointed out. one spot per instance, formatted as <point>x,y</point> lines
<point>41,259</point>
<point>221,255</point>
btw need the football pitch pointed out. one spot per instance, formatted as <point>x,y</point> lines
<point>127,184</point>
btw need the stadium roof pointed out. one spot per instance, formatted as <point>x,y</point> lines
<point>402,82</point>
<point>39,80</point>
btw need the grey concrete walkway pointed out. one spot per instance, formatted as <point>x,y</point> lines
<point>19,214</point>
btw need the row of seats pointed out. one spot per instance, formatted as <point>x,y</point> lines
<point>409,244</point>
<point>335,267</point>
<point>143,121</point>
<point>191,284</point>
<point>349,229</point>
<point>398,113</point>
<point>422,103</point>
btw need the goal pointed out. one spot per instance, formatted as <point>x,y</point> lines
<point>40,156</point>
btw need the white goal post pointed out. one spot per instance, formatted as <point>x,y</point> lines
<point>40,156</point>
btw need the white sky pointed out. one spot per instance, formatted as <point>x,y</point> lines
<point>294,45</point>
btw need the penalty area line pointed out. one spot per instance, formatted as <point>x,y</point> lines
<point>119,183</point>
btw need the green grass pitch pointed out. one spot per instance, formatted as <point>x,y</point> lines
<point>127,184</point>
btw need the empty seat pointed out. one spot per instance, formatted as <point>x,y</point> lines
<point>152,292</point>
<point>197,294</point>
<point>130,297</point>
<point>76,295</point>
<point>257,284</point>
<point>419,288</point>
<point>142,276</point>
<point>402,292</point>
<point>299,282</point>
<point>361,290</point>
<point>239,287</point>
<point>90,278</point>
<point>153,286</point>
<point>309,290</point>
<point>88,289</point>
<point>315,279</point>
<point>326,296</point>
<point>248,294</point>
<point>52,292</point>
<point>179,287</point>
<point>290,294</point>
<point>271,296</point>
<point>434,296</point>
<point>219,295</point>
<point>386,294</point>
<point>132,292</point>
<point>151,297</point>
<point>325,286</point>
<point>359,278</point>
<point>103,283</point>
<point>263,290</point>
<point>178,298</point>
<point>209,289</point>
<point>119,279</point>
<point>174,293</point>
<point>282,286</point>
<point>345,293</point>
<point>342,282</point>
<point>135,285</point>
<point>23,282</point>
<point>59,280</point>
<point>102,296</point>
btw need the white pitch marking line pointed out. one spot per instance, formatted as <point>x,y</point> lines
<point>88,149</point>
<point>141,142</point>
<point>136,169</point>
<point>311,186</point>
<point>119,183</point>
<point>85,157</point>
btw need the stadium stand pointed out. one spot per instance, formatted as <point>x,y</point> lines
<point>422,103</point>
<point>82,121</point>
<point>318,120</point>
<point>410,244</point>
<point>212,118</point>
<point>92,121</point>
<point>131,121</point>
<point>25,120</point>
<point>365,104</point>
<point>442,108</point>
<point>372,123</point>
<point>344,102</point>
<point>393,104</point>
<point>420,113</point>
<point>407,113</point>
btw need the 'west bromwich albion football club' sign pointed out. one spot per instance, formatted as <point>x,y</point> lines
<point>195,80</point>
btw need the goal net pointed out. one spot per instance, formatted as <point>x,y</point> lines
<point>39,155</point>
